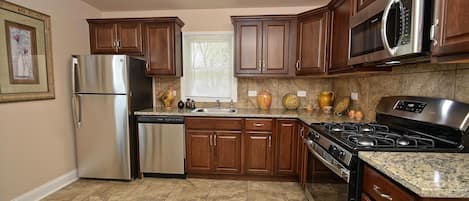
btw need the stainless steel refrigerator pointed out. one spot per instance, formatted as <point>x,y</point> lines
<point>107,89</point>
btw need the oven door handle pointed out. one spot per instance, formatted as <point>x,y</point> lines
<point>342,172</point>
<point>384,21</point>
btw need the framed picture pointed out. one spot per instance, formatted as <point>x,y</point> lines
<point>26,71</point>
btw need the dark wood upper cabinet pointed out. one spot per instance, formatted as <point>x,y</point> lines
<point>103,38</point>
<point>258,153</point>
<point>451,29</point>
<point>313,37</point>
<point>227,151</point>
<point>263,45</point>
<point>286,137</point>
<point>248,47</point>
<point>358,5</point>
<point>339,46</point>
<point>115,37</point>
<point>129,38</point>
<point>276,44</point>
<point>158,39</point>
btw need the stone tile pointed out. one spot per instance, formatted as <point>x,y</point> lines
<point>434,84</point>
<point>380,86</point>
<point>162,84</point>
<point>242,101</point>
<point>421,68</point>
<point>462,85</point>
<point>261,84</point>
<point>463,66</point>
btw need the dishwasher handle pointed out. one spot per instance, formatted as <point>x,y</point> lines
<point>161,119</point>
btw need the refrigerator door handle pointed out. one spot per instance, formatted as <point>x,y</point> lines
<point>74,74</point>
<point>76,110</point>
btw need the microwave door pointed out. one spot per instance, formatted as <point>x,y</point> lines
<point>391,26</point>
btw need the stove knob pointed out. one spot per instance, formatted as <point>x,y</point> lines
<point>315,135</point>
<point>341,154</point>
<point>333,150</point>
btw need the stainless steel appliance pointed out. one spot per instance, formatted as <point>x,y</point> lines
<point>389,32</point>
<point>161,145</point>
<point>404,123</point>
<point>106,91</point>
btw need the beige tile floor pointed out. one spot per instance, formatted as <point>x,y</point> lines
<point>152,189</point>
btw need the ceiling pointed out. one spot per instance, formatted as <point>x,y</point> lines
<point>128,5</point>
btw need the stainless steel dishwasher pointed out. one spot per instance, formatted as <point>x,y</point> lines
<point>161,146</point>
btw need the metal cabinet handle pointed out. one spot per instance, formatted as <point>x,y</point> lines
<point>147,65</point>
<point>270,141</point>
<point>215,140</point>
<point>377,190</point>
<point>302,129</point>
<point>118,44</point>
<point>298,68</point>
<point>264,68</point>
<point>210,138</point>
<point>114,43</point>
<point>258,124</point>
<point>259,65</point>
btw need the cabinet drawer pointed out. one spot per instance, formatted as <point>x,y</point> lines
<point>259,124</point>
<point>380,188</point>
<point>214,123</point>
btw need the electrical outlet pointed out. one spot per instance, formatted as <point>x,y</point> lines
<point>301,93</point>
<point>252,93</point>
<point>354,96</point>
<point>174,92</point>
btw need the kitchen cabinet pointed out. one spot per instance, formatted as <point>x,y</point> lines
<point>258,143</point>
<point>378,187</point>
<point>359,5</point>
<point>451,30</point>
<point>302,154</point>
<point>286,138</point>
<point>158,39</point>
<point>264,45</point>
<point>213,145</point>
<point>339,45</point>
<point>313,37</point>
<point>258,153</point>
<point>115,37</point>
<point>163,44</point>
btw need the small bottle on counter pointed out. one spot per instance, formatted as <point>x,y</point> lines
<point>181,104</point>
<point>193,104</point>
<point>188,104</point>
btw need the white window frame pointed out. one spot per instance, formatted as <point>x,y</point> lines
<point>234,91</point>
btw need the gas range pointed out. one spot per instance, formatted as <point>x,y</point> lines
<point>403,123</point>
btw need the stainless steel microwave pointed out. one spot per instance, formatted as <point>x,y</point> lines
<point>387,31</point>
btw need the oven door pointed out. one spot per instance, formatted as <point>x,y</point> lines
<point>380,32</point>
<point>333,184</point>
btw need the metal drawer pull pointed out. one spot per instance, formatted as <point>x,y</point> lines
<point>287,124</point>
<point>377,190</point>
<point>210,143</point>
<point>258,125</point>
<point>215,140</point>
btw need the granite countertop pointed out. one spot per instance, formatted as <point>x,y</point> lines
<point>306,117</point>
<point>429,175</point>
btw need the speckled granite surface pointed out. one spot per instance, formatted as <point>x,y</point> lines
<point>308,118</point>
<point>434,175</point>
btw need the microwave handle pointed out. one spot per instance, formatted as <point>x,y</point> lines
<point>384,21</point>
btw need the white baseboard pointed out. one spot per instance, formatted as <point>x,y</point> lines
<point>49,187</point>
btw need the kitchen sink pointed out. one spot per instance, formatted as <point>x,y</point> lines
<point>215,110</point>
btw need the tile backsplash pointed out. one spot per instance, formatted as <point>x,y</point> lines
<point>434,80</point>
<point>277,86</point>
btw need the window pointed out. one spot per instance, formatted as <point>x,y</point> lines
<point>208,67</point>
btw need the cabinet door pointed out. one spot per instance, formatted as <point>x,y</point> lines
<point>339,49</point>
<point>258,153</point>
<point>159,40</point>
<point>286,141</point>
<point>359,5</point>
<point>248,55</point>
<point>312,44</point>
<point>198,151</point>
<point>227,152</point>
<point>130,38</point>
<point>453,27</point>
<point>103,38</point>
<point>276,35</point>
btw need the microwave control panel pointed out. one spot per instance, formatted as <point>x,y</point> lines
<point>410,106</point>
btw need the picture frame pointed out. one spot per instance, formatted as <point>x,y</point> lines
<point>26,65</point>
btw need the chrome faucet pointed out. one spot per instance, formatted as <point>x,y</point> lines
<point>218,104</point>
<point>232,105</point>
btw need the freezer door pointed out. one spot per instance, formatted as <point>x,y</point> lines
<point>102,136</point>
<point>100,74</point>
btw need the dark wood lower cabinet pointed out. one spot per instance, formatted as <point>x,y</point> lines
<point>198,151</point>
<point>285,150</point>
<point>258,153</point>
<point>227,152</point>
